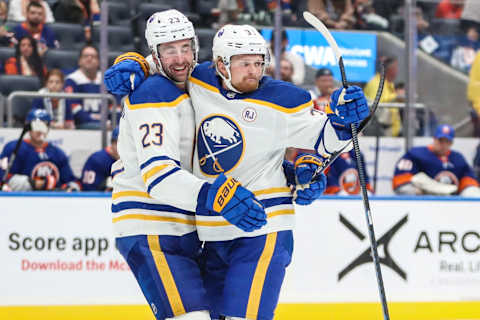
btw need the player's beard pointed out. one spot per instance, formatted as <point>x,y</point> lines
<point>248,84</point>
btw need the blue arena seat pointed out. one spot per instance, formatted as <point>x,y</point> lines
<point>65,60</point>
<point>120,38</point>
<point>71,36</point>
<point>21,106</point>
<point>118,13</point>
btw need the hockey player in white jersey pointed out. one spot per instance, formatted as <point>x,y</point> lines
<point>244,123</point>
<point>155,197</point>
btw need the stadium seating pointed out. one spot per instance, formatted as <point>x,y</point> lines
<point>71,36</point>
<point>205,38</point>
<point>118,14</point>
<point>180,5</point>
<point>21,106</point>
<point>5,53</point>
<point>120,38</point>
<point>65,60</point>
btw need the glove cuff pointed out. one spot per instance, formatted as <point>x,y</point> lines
<point>135,57</point>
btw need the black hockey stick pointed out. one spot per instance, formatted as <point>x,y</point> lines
<point>26,128</point>
<point>317,24</point>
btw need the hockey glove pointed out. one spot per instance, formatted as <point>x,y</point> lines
<point>235,203</point>
<point>309,186</point>
<point>347,106</point>
<point>127,73</point>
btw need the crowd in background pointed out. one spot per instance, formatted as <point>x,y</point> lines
<point>28,34</point>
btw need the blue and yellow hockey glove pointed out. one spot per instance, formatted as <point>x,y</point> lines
<point>347,106</point>
<point>237,205</point>
<point>127,73</point>
<point>299,175</point>
<point>308,190</point>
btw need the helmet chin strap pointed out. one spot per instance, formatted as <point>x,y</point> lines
<point>227,81</point>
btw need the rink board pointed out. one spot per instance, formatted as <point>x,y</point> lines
<point>59,261</point>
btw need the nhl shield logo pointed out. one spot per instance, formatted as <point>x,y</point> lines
<point>220,145</point>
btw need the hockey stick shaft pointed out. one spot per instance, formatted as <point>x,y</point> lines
<point>14,153</point>
<point>317,24</point>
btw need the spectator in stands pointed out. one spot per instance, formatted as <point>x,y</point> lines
<point>229,11</point>
<point>55,107</point>
<point>86,12</point>
<point>342,175</point>
<point>35,27</point>
<point>435,169</point>
<point>96,173</point>
<point>465,50</point>
<point>86,79</point>
<point>336,14</point>
<point>367,18</point>
<point>473,94</point>
<point>449,9</point>
<point>17,10</point>
<point>286,70</point>
<point>297,61</point>
<point>27,60</point>
<point>388,118</point>
<point>324,86</point>
<point>3,11</point>
<point>39,165</point>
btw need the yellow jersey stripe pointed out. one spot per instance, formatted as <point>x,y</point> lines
<point>132,193</point>
<point>271,190</point>
<point>169,104</point>
<point>154,171</point>
<point>223,223</point>
<point>166,276</point>
<point>259,276</point>
<point>280,108</point>
<point>204,84</point>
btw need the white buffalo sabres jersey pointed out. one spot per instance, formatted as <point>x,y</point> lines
<point>245,136</point>
<point>153,189</point>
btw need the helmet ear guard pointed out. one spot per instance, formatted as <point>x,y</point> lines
<point>232,40</point>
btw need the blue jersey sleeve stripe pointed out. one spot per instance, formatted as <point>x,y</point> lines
<point>267,203</point>
<point>160,158</point>
<point>160,179</point>
<point>147,206</point>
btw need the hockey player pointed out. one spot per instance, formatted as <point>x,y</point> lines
<point>435,169</point>
<point>244,123</point>
<point>342,176</point>
<point>96,173</point>
<point>155,197</point>
<point>38,165</point>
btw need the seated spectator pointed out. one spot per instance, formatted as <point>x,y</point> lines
<point>435,169</point>
<point>96,173</point>
<point>324,86</point>
<point>56,108</point>
<point>17,10</point>
<point>39,165</point>
<point>335,14</point>
<point>35,27</point>
<point>473,94</point>
<point>449,9</point>
<point>388,118</point>
<point>3,11</point>
<point>297,61</point>
<point>86,79</point>
<point>27,60</point>
<point>367,18</point>
<point>466,49</point>
<point>286,70</point>
<point>342,175</point>
<point>85,12</point>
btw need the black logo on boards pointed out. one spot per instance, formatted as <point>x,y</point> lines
<point>366,257</point>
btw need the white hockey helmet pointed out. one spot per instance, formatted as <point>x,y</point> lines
<point>232,40</point>
<point>168,26</point>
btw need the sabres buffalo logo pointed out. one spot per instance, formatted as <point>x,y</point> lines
<point>220,145</point>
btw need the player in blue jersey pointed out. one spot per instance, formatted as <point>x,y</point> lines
<point>342,175</point>
<point>435,169</point>
<point>39,165</point>
<point>96,173</point>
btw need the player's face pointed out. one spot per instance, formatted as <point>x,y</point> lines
<point>176,58</point>
<point>441,146</point>
<point>54,83</point>
<point>246,71</point>
<point>37,137</point>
